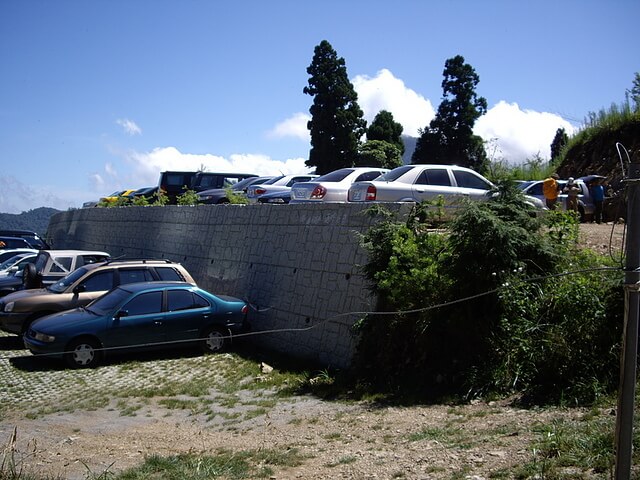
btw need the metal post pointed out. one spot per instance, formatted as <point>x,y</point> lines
<point>626,392</point>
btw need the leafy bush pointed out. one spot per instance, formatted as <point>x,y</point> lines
<point>189,197</point>
<point>487,307</point>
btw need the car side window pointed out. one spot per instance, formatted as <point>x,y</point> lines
<point>99,281</point>
<point>365,177</point>
<point>133,275</point>
<point>144,304</point>
<point>469,180</point>
<point>535,189</point>
<point>434,176</point>
<point>169,274</point>
<point>61,265</point>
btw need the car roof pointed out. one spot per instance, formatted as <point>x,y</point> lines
<point>141,286</point>
<point>73,252</point>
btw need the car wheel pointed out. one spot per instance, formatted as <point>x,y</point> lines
<point>583,216</point>
<point>30,276</point>
<point>214,340</point>
<point>82,353</point>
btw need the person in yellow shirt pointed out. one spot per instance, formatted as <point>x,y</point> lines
<point>551,190</point>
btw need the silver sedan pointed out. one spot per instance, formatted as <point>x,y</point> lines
<point>334,186</point>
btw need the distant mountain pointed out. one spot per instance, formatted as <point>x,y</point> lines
<point>36,220</point>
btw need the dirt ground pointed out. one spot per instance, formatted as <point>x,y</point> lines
<point>337,440</point>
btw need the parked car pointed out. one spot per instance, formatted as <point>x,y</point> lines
<point>34,240</point>
<point>138,316</point>
<point>12,252</point>
<point>147,192</point>
<point>83,285</point>
<point>115,196</point>
<point>176,183</point>
<point>49,267</point>
<point>16,262</point>
<point>417,183</point>
<point>276,184</point>
<point>220,195</point>
<point>334,186</point>
<point>282,197</point>
<point>586,206</point>
<point>13,242</point>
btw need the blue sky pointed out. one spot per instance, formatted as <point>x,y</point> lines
<point>97,96</point>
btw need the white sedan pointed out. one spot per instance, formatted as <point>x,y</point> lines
<point>276,184</point>
<point>417,183</point>
<point>333,186</point>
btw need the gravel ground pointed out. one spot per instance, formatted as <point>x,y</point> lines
<point>82,423</point>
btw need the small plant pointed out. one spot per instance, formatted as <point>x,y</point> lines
<point>189,197</point>
<point>161,198</point>
<point>235,197</point>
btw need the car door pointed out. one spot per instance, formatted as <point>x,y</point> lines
<point>186,314</point>
<point>140,323</point>
<point>471,185</point>
<point>91,288</point>
<point>431,183</point>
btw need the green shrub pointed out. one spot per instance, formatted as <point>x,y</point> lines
<point>189,197</point>
<point>486,308</point>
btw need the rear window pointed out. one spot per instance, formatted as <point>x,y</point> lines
<point>394,174</point>
<point>335,176</point>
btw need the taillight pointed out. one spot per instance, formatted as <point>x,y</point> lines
<point>318,192</point>
<point>371,193</point>
<point>245,309</point>
<point>260,191</point>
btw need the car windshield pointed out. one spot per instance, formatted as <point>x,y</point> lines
<point>62,284</point>
<point>11,261</point>
<point>109,301</point>
<point>335,176</point>
<point>394,174</point>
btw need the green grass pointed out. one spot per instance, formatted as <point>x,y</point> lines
<point>224,465</point>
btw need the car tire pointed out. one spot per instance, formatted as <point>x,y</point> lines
<point>30,276</point>
<point>83,353</point>
<point>215,340</point>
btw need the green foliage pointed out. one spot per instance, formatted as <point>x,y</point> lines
<point>533,168</point>
<point>559,142</point>
<point>634,92</point>
<point>449,138</point>
<point>337,122</point>
<point>379,153</point>
<point>236,198</point>
<point>386,129</point>
<point>488,308</point>
<point>160,198</point>
<point>189,197</point>
<point>140,201</point>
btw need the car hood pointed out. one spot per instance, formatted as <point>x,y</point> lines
<point>22,294</point>
<point>63,320</point>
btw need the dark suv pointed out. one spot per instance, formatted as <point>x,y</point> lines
<point>20,308</point>
<point>32,238</point>
<point>176,183</point>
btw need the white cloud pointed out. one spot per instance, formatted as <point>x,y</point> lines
<point>386,92</point>
<point>516,135</point>
<point>16,197</point>
<point>129,126</point>
<point>294,126</point>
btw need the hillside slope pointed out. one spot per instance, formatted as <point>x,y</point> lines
<point>36,220</point>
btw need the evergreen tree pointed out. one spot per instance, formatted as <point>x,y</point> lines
<point>385,128</point>
<point>449,138</point>
<point>634,93</point>
<point>559,142</point>
<point>337,122</point>
<point>379,153</point>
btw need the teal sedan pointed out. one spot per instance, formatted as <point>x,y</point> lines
<point>138,316</point>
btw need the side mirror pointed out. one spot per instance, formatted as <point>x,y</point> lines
<point>80,289</point>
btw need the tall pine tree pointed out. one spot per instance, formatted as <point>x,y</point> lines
<point>559,142</point>
<point>449,138</point>
<point>385,128</point>
<point>337,122</point>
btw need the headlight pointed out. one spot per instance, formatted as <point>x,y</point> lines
<point>9,307</point>
<point>43,337</point>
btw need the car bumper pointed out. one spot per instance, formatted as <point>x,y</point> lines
<point>12,322</point>
<point>41,348</point>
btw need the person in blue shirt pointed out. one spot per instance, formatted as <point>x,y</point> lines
<point>597,193</point>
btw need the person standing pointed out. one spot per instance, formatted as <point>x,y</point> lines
<point>572,190</point>
<point>551,190</point>
<point>597,194</point>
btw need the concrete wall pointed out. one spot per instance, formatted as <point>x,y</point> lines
<point>299,266</point>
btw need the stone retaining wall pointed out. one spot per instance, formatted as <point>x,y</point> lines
<point>299,266</point>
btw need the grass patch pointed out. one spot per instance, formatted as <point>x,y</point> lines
<point>224,464</point>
